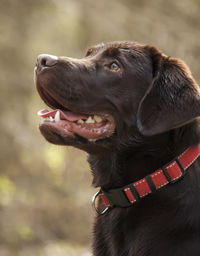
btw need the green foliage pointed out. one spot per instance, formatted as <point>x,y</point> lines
<point>7,190</point>
<point>25,232</point>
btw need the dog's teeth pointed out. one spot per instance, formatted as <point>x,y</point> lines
<point>51,119</point>
<point>92,140</point>
<point>57,116</point>
<point>90,120</point>
<point>46,118</point>
<point>98,119</point>
<point>80,121</point>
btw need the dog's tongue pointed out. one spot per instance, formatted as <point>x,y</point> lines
<point>68,115</point>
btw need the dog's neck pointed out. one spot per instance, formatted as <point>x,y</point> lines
<point>115,169</point>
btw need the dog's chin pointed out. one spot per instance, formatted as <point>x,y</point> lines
<point>54,134</point>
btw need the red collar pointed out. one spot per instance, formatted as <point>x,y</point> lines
<point>169,173</point>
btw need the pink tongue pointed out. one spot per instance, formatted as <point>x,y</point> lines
<point>70,116</point>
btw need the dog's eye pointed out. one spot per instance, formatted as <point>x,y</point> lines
<point>114,66</point>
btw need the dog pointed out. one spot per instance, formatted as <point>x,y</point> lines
<point>135,111</point>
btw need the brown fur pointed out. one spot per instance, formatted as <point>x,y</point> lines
<point>155,103</point>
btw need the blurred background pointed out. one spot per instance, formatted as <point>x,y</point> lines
<point>41,211</point>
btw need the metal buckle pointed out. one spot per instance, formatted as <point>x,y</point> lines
<point>94,204</point>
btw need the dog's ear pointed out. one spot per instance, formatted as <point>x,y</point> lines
<point>173,98</point>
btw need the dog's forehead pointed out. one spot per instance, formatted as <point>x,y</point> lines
<point>112,46</point>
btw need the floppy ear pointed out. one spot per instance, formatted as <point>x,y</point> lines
<point>173,98</point>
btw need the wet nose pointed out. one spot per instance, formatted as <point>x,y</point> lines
<point>46,60</point>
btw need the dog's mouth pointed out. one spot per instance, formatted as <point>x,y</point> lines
<point>91,127</point>
<point>65,122</point>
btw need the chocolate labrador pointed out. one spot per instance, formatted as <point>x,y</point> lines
<point>135,111</point>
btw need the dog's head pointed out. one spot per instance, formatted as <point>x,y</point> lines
<point>116,94</point>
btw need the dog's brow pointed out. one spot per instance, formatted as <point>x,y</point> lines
<point>111,51</point>
<point>125,49</point>
<point>89,51</point>
<point>95,49</point>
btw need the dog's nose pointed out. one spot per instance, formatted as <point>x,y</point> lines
<point>46,60</point>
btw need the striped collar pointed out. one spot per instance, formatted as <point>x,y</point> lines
<point>133,192</point>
